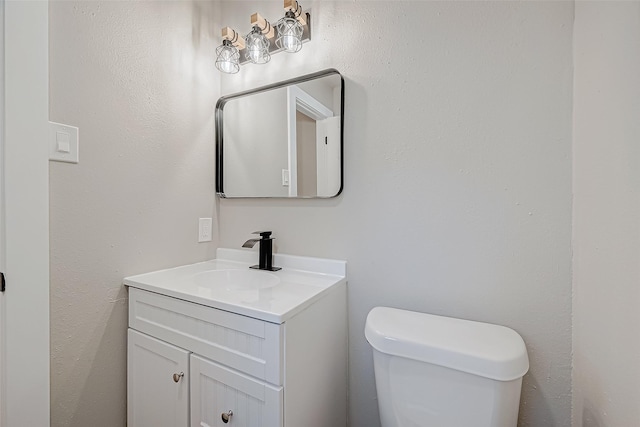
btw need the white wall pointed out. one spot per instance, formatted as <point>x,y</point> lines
<point>606,228</point>
<point>138,78</point>
<point>457,195</point>
<point>255,145</point>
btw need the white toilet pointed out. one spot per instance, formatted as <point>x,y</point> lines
<point>439,371</point>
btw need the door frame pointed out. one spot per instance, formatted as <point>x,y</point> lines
<point>299,100</point>
<point>24,306</point>
<point>2,225</point>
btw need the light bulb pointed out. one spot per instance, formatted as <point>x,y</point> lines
<point>257,46</point>
<point>227,58</point>
<point>289,43</point>
<point>289,33</point>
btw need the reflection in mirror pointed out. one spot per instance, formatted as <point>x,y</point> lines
<point>282,140</point>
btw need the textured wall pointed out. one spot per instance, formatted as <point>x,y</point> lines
<point>138,79</point>
<point>457,195</point>
<point>606,210</point>
<point>458,175</point>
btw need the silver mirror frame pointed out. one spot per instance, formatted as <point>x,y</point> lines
<point>219,130</point>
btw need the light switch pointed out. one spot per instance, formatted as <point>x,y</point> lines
<point>285,177</point>
<point>63,143</point>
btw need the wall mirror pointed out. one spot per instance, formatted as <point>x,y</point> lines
<point>282,140</point>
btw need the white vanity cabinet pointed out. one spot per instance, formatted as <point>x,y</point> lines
<point>217,390</point>
<point>158,382</point>
<point>191,364</point>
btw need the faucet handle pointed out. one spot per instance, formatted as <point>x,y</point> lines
<point>263,234</point>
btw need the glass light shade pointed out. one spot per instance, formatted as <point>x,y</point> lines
<point>257,47</point>
<point>289,34</point>
<point>227,58</point>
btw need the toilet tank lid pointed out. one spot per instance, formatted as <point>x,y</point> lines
<point>483,349</point>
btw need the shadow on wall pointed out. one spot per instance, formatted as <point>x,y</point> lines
<point>590,416</point>
<point>544,413</point>
<point>202,14</point>
<point>101,365</point>
<point>106,375</point>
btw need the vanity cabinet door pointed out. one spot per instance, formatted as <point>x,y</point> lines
<point>157,383</point>
<point>219,393</point>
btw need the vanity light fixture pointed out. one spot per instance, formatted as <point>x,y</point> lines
<point>257,41</point>
<point>264,39</point>
<point>227,54</point>
<point>290,28</point>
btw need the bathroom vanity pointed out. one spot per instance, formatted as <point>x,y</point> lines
<point>216,343</point>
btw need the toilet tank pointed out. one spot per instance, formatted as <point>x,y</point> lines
<point>439,371</point>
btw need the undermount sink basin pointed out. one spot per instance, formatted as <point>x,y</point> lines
<point>236,280</point>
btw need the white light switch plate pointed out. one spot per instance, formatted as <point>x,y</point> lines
<point>63,143</point>
<point>204,229</point>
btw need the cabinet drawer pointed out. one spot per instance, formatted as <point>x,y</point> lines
<point>249,345</point>
<point>216,390</point>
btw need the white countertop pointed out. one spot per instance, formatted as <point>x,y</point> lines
<point>301,281</point>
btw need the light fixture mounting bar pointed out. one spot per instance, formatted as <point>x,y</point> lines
<point>265,26</point>
<point>294,6</point>
<point>306,36</point>
<point>234,37</point>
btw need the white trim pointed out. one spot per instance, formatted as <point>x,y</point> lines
<point>308,105</point>
<point>25,304</point>
<point>292,147</point>
<point>299,100</point>
<point>2,225</point>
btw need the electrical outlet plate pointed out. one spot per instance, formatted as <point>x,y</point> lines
<point>63,143</point>
<point>204,229</point>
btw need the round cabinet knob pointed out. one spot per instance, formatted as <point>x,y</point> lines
<point>226,416</point>
<point>176,377</point>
